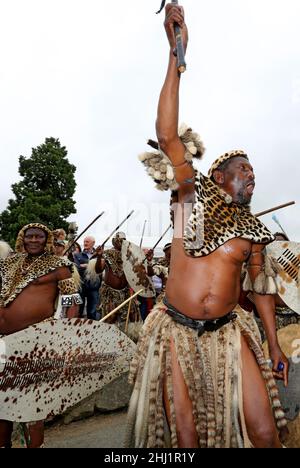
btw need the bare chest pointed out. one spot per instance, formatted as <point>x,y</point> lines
<point>237,250</point>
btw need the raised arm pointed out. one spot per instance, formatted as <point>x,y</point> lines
<point>100,264</point>
<point>168,107</point>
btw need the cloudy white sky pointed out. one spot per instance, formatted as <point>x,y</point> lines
<point>89,73</point>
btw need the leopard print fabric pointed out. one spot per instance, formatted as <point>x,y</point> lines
<point>226,157</point>
<point>13,282</point>
<point>216,220</point>
<point>67,287</point>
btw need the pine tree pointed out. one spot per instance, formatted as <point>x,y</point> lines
<point>45,192</point>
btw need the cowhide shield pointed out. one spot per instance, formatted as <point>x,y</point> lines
<point>135,269</point>
<point>287,255</point>
<point>51,366</point>
<point>289,340</point>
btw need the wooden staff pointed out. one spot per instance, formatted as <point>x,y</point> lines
<point>141,243</point>
<point>122,305</point>
<point>128,315</point>
<point>181,64</point>
<point>258,215</point>
<point>83,232</point>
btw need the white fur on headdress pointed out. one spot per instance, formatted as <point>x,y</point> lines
<point>5,250</point>
<point>159,166</point>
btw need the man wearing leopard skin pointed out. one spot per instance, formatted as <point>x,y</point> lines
<point>200,377</point>
<point>31,280</point>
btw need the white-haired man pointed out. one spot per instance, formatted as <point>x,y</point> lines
<point>90,286</point>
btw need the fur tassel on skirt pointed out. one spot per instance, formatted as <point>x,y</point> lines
<point>211,366</point>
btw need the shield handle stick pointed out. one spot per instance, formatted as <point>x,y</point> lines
<point>121,305</point>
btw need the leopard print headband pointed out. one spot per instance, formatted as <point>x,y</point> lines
<point>225,157</point>
<point>20,238</point>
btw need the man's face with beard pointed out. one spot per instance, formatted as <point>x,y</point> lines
<point>238,180</point>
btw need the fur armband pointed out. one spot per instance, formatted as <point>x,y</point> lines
<point>159,166</point>
<point>265,282</point>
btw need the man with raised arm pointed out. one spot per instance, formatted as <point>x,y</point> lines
<point>200,377</point>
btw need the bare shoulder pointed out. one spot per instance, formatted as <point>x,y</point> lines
<point>256,258</point>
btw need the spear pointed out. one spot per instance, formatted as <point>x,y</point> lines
<point>181,64</point>
<point>159,240</point>
<point>117,228</point>
<point>83,232</point>
<point>275,219</point>
<point>141,243</point>
<point>258,215</point>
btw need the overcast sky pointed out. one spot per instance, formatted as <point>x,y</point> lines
<point>90,72</point>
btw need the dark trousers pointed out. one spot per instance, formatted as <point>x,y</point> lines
<point>90,298</point>
<point>146,305</point>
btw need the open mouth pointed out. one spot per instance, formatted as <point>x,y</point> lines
<point>250,187</point>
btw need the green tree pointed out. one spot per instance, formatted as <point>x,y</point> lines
<point>44,194</point>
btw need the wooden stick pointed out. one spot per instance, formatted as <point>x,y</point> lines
<point>258,215</point>
<point>127,318</point>
<point>122,305</point>
<point>83,232</point>
<point>181,64</point>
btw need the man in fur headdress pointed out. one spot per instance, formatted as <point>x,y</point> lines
<point>35,285</point>
<point>115,288</point>
<point>197,362</point>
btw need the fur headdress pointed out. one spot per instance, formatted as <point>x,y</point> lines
<point>20,239</point>
<point>159,166</point>
<point>5,250</point>
<point>225,157</point>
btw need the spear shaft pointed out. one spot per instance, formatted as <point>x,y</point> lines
<point>258,215</point>
<point>141,243</point>
<point>117,228</point>
<point>83,232</point>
